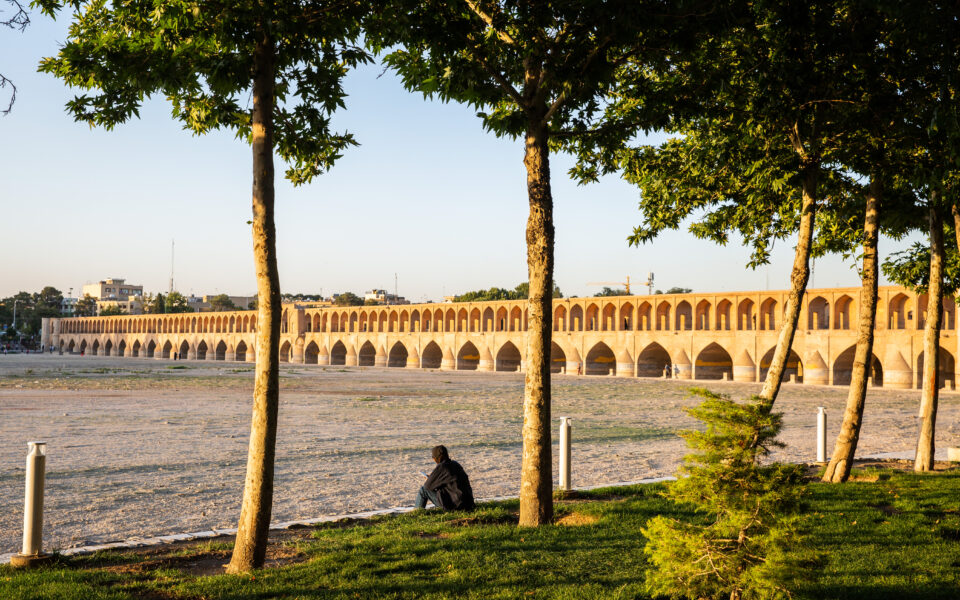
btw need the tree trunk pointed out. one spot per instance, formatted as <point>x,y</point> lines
<point>838,469</point>
<point>251,545</point>
<point>536,476</point>
<point>931,345</point>
<point>798,286</point>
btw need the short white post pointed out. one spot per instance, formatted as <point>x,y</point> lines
<point>33,507</point>
<point>565,454</point>
<point>821,434</point>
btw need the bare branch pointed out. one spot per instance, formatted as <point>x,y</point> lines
<point>20,18</point>
<point>4,82</point>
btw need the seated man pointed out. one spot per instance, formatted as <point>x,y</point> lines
<point>448,486</point>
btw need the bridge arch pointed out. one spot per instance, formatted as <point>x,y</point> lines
<point>593,316</point>
<point>652,360</point>
<point>818,314</point>
<point>702,321</point>
<point>663,316</point>
<point>338,354</point>
<point>842,308</point>
<point>794,366</point>
<point>468,358</point>
<point>508,358</point>
<point>713,362</point>
<point>600,360</point>
<point>122,348</point>
<point>768,315</point>
<point>559,318</point>
<point>367,356</point>
<point>643,316</point>
<point>684,321</point>
<point>946,371</point>
<point>107,347</point>
<point>576,318</point>
<point>311,354</point>
<point>746,320</point>
<point>397,356</point>
<point>843,368</point>
<point>608,318</point>
<point>241,352</point>
<point>202,351</point>
<point>431,357</point>
<point>722,321</point>
<point>558,358</point>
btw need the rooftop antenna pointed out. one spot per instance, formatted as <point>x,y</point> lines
<point>396,295</point>
<point>171,266</point>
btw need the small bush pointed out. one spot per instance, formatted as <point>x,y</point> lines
<point>735,550</point>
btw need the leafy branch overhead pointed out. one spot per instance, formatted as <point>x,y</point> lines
<point>201,61</point>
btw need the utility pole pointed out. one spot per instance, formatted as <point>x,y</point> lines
<point>172,242</point>
<point>396,294</point>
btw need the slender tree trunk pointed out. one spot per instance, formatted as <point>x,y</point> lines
<point>251,545</point>
<point>838,469</point>
<point>798,286</point>
<point>931,345</point>
<point>536,476</point>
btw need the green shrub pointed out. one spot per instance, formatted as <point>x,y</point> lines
<point>747,510</point>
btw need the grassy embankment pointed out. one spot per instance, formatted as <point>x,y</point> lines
<point>885,535</point>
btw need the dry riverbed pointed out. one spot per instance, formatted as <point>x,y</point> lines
<point>140,447</point>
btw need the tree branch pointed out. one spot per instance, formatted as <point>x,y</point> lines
<point>503,35</point>
<point>4,82</point>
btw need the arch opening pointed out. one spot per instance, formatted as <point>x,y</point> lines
<point>653,360</point>
<point>600,361</point>
<point>468,358</point>
<point>367,357</point>
<point>431,357</point>
<point>508,358</point>
<point>713,362</point>
<point>397,356</point>
<point>311,353</point>
<point>843,368</point>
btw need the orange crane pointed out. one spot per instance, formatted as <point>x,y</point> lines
<point>626,284</point>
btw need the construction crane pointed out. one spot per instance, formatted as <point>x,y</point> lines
<point>626,284</point>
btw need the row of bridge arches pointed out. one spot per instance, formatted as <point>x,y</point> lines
<point>712,362</point>
<point>150,349</point>
<point>214,323</point>
<point>665,315</point>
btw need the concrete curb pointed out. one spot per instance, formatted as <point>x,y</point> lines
<point>214,533</point>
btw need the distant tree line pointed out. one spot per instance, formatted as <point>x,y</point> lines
<point>521,292</point>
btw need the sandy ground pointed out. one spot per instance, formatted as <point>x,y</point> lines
<point>140,447</point>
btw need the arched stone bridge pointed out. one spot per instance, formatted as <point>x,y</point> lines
<point>706,336</point>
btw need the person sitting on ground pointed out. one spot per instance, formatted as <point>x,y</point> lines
<point>448,486</point>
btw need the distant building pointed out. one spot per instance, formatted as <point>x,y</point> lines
<point>68,306</point>
<point>131,305</point>
<point>203,303</point>
<point>382,297</point>
<point>114,292</point>
<point>111,289</point>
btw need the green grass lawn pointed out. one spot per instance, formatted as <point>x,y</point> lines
<point>888,535</point>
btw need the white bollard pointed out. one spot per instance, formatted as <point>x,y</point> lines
<point>821,434</point>
<point>565,454</point>
<point>33,507</point>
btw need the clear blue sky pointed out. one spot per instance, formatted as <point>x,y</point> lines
<point>428,195</point>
